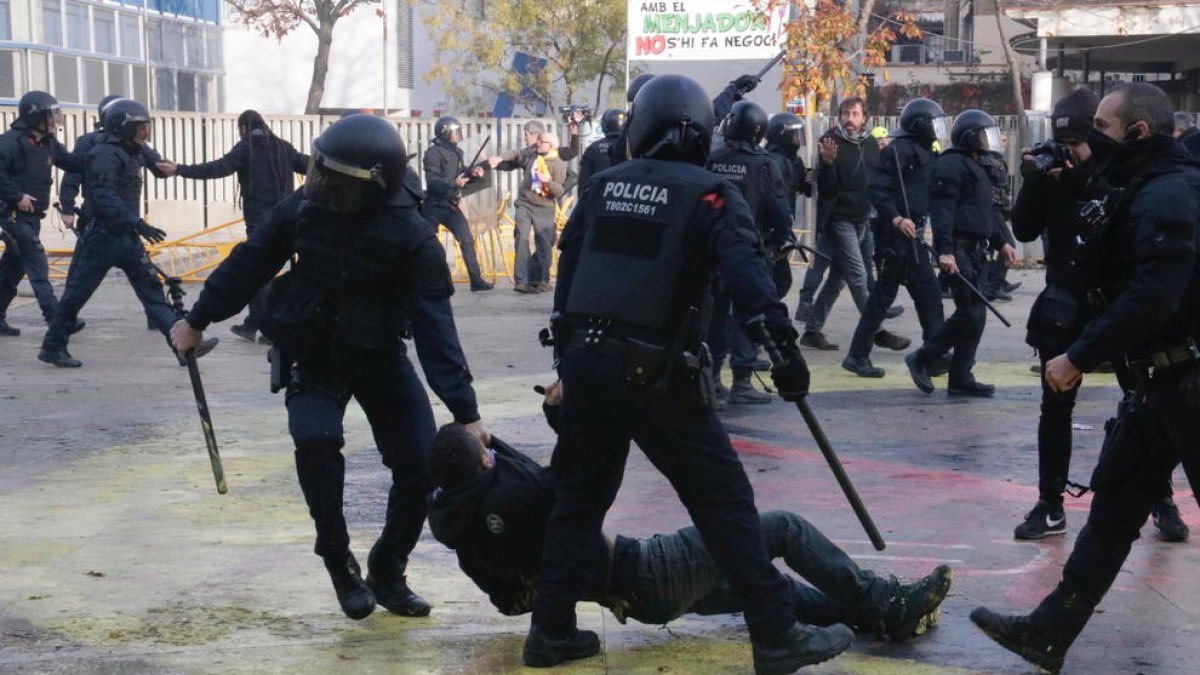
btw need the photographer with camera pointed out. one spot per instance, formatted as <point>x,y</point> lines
<point>1059,177</point>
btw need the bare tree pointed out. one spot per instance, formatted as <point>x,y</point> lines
<point>1014,67</point>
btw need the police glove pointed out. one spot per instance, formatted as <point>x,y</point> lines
<point>791,377</point>
<point>746,83</point>
<point>150,233</point>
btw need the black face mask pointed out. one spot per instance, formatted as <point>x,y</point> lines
<point>1104,149</point>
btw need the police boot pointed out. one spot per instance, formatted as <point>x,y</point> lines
<point>800,646</point>
<point>478,285</point>
<point>817,340</point>
<point>918,369</point>
<point>391,587</point>
<point>971,387</point>
<point>889,340</point>
<point>862,367</point>
<point>8,330</point>
<point>204,348</point>
<point>60,358</point>
<point>1021,636</point>
<point>1168,523</point>
<point>744,393</point>
<point>353,594</point>
<point>914,609</point>
<point>543,650</point>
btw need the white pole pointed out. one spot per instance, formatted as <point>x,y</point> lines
<point>146,54</point>
<point>384,5</point>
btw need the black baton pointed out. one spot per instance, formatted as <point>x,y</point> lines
<point>974,291</point>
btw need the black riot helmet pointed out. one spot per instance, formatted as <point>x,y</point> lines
<point>746,121</point>
<point>612,121</point>
<point>636,85</point>
<point>104,103</point>
<point>976,130</point>
<point>923,119</point>
<point>358,162</point>
<point>447,129</point>
<point>785,129</point>
<point>35,108</point>
<point>671,118</point>
<point>122,117</point>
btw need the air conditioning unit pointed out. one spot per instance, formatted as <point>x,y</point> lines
<point>907,53</point>
<point>954,56</point>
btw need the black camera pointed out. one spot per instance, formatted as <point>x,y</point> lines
<point>1094,215</point>
<point>568,113</point>
<point>1047,156</point>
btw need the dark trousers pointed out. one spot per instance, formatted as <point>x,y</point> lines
<point>963,330</point>
<point>451,217</point>
<point>80,229</point>
<point>1153,431</point>
<point>24,256</point>
<point>726,338</point>
<point>397,408</point>
<point>677,576</point>
<point>533,269</point>
<point>98,252</point>
<point>912,269</point>
<point>689,446</point>
<point>255,216</point>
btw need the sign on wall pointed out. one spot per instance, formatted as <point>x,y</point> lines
<point>702,30</point>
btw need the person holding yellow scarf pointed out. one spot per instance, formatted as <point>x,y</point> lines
<point>542,184</point>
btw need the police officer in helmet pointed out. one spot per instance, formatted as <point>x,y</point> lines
<point>899,190</point>
<point>637,262</point>
<point>598,155</point>
<point>962,212</point>
<point>369,271</point>
<point>447,180</point>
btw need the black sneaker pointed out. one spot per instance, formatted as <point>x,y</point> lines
<point>889,340</point>
<point>543,651</point>
<point>1019,635</point>
<point>1168,523</point>
<point>972,388</point>
<point>60,358</point>
<point>8,330</point>
<point>915,608</point>
<point>816,340</point>
<point>1045,520</point>
<point>243,331</point>
<point>481,285</point>
<point>801,646</point>
<point>919,371</point>
<point>862,367</point>
<point>353,594</point>
<point>893,311</point>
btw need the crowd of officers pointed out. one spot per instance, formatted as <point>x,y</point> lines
<point>676,246</point>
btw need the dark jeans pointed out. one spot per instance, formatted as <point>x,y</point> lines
<point>397,408</point>
<point>539,219</point>
<point>849,268</point>
<point>1151,433</point>
<point>601,416</point>
<point>726,338</point>
<point>963,330</point>
<point>913,270</point>
<point>451,217</point>
<point>819,265</point>
<point>98,252</point>
<point>676,576</point>
<point>24,256</point>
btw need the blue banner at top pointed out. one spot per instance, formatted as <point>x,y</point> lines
<point>203,10</point>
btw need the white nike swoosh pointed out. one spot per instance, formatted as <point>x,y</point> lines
<point>1054,522</point>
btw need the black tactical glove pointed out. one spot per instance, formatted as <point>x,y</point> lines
<point>791,377</point>
<point>746,83</point>
<point>150,233</point>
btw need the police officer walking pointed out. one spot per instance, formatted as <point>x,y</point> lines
<point>447,180</point>
<point>599,155</point>
<point>369,271</point>
<point>785,136</point>
<point>899,190</point>
<point>27,152</point>
<point>962,212</point>
<point>1150,291</point>
<point>637,261</point>
<point>112,187</point>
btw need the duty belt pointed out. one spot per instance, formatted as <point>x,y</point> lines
<point>1179,354</point>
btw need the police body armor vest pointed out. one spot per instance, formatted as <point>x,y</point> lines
<point>31,165</point>
<point>128,181</point>
<point>635,248</point>
<point>748,171</point>
<point>603,159</point>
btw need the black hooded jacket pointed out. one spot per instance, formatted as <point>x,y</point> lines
<point>264,164</point>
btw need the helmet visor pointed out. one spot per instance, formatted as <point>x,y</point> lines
<point>990,139</point>
<point>331,188</point>
<point>452,132</point>
<point>941,130</point>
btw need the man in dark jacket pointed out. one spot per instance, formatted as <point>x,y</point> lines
<point>447,180</point>
<point>27,152</point>
<point>1149,286</point>
<point>266,168</point>
<point>964,225</point>
<point>492,506</point>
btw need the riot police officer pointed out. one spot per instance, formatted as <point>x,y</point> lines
<point>27,152</point>
<point>112,186</point>
<point>637,260</point>
<point>598,155</point>
<point>447,180</point>
<point>785,136</point>
<point>964,224</point>
<point>369,271</point>
<point>1149,288</point>
<point>755,175</point>
<point>899,190</point>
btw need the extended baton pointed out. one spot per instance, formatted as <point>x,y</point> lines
<point>974,291</point>
<point>176,293</point>
<point>802,249</point>
<point>477,154</point>
<point>767,68</point>
<point>759,326</point>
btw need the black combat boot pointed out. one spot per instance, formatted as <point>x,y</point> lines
<point>543,650</point>
<point>353,594</point>
<point>862,367</point>
<point>919,370</point>
<point>800,646</point>
<point>1167,521</point>
<point>817,340</point>
<point>889,340</point>
<point>58,357</point>
<point>915,608</point>
<point>1021,636</point>
<point>971,387</point>
<point>391,589</point>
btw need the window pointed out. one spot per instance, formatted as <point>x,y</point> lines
<point>93,81</point>
<point>106,31</point>
<point>203,82</point>
<point>186,88</point>
<point>77,26</point>
<point>193,39</point>
<point>139,86</point>
<point>131,36</point>
<point>52,22</point>
<point>155,26</point>
<point>8,74</point>
<point>212,38</point>
<point>172,43</point>
<point>5,23</point>
<point>66,79</point>
<point>164,89</point>
<point>404,44</point>
<point>118,79</point>
<point>39,71</point>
